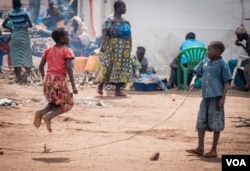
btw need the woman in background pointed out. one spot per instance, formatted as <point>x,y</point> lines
<point>20,51</point>
<point>115,50</point>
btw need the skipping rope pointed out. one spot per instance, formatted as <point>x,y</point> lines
<point>47,150</point>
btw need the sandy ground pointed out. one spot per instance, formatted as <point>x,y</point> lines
<point>112,133</point>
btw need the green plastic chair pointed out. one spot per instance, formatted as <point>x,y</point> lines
<point>194,55</point>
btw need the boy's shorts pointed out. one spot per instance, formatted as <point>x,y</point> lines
<point>210,116</point>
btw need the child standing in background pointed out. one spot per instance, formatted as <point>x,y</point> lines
<point>216,79</point>
<point>55,88</point>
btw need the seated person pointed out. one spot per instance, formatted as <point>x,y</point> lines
<point>190,41</point>
<point>241,77</point>
<point>54,15</point>
<point>140,63</point>
<point>172,82</point>
<point>80,40</point>
<point>140,66</point>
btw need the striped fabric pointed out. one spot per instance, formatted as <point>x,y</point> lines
<point>18,17</point>
<point>20,50</point>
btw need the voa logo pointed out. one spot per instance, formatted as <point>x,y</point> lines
<point>236,162</point>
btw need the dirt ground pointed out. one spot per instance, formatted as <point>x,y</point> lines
<point>113,133</point>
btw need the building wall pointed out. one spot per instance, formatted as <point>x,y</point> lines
<point>161,25</point>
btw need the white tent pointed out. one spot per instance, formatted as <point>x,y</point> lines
<point>161,25</point>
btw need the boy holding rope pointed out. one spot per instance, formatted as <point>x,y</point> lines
<point>216,79</point>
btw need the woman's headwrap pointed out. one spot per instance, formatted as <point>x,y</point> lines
<point>241,29</point>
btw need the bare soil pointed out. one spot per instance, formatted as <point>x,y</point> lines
<point>115,133</point>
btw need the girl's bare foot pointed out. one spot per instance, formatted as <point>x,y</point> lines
<point>37,119</point>
<point>48,123</point>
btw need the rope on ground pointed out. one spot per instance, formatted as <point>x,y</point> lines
<point>46,150</point>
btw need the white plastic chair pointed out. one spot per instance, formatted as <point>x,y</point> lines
<point>238,66</point>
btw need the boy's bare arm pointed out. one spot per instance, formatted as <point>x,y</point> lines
<point>222,100</point>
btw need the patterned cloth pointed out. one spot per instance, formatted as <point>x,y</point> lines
<point>4,49</point>
<point>56,91</point>
<point>116,61</point>
<point>20,50</point>
<point>98,71</point>
<point>137,65</point>
<point>18,17</point>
